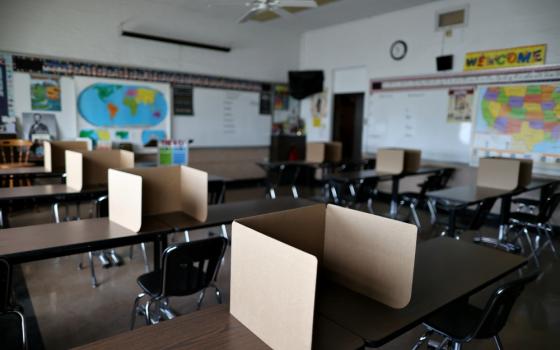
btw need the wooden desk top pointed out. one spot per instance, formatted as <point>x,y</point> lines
<point>471,194</point>
<point>25,192</point>
<point>210,328</point>
<point>215,328</point>
<point>29,170</point>
<point>445,270</point>
<point>36,242</point>
<point>352,176</point>
<point>227,212</point>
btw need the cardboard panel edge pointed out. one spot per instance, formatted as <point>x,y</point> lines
<point>74,169</point>
<point>125,199</point>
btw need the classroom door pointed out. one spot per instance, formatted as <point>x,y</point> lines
<point>347,124</point>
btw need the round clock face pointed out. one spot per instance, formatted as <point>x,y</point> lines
<point>398,50</point>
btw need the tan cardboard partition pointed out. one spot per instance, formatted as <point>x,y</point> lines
<point>319,152</point>
<point>156,191</point>
<point>504,173</point>
<point>54,151</point>
<point>397,160</point>
<point>90,168</point>
<point>277,256</point>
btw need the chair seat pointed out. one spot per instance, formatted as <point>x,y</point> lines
<point>525,217</point>
<point>150,282</point>
<point>457,321</point>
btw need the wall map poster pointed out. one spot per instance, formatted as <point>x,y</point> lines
<point>111,110</point>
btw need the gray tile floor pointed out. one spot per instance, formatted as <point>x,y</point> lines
<point>70,313</point>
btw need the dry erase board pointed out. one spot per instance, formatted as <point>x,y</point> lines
<point>224,118</point>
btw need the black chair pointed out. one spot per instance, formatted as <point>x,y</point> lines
<point>529,204</point>
<point>216,192</point>
<point>188,268</point>
<point>12,322</point>
<point>538,224</point>
<point>415,199</point>
<point>461,322</point>
<point>473,220</point>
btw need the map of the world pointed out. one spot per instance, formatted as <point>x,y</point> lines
<point>520,118</point>
<point>115,105</point>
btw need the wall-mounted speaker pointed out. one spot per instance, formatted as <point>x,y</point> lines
<point>444,62</point>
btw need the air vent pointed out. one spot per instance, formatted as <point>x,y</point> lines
<point>451,18</point>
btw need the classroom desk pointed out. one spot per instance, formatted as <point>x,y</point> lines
<point>445,270</point>
<point>31,172</point>
<point>215,328</point>
<point>456,198</point>
<point>353,177</point>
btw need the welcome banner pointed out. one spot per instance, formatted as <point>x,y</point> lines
<point>506,58</point>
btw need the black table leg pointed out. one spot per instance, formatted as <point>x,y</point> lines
<point>451,229</point>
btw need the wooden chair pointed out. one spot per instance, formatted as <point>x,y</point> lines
<point>15,154</point>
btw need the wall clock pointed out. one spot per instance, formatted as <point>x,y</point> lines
<point>398,50</point>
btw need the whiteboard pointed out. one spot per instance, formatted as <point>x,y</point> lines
<point>224,118</point>
<point>416,119</point>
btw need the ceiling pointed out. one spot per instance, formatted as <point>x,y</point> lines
<point>331,13</point>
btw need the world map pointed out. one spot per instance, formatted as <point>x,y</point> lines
<point>524,118</point>
<point>115,105</point>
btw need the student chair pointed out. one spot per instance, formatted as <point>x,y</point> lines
<point>461,322</point>
<point>280,174</point>
<point>475,221</point>
<point>415,199</point>
<point>524,223</point>
<point>12,322</point>
<point>187,268</point>
<point>529,204</point>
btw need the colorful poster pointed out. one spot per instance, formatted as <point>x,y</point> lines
<point>281,98</point>
<point>121,110</point>
<point>460,105</point>
<point>519,121</point>
<point>506,58</point>
<point>45,94</point>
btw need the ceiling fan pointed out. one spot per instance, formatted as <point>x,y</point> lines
<point>276,6</point>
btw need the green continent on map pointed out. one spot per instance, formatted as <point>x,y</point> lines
<point>131,103</point>
<point>104,91</point>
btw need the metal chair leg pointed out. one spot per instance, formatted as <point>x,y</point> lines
<point>443,343</point>
<point>187,236</point>
<point>131,252</point>
<point>200,299</point>
<point>224,232</point>
<point>433,212</point>
<point>498,342</point>
<point>135,309</point>
<point>295,193</point>
<point>145,257</point>
<point>370,205</point>
<point>218,293</point>
<point>422,339</point>
<point>547,229</point>
<point>94,283</point>
<point>530,243</point>
<point>415,215</point>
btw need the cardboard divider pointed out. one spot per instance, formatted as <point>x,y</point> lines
<point>320,152</point>
<point>134,193</point>
<point>54,152</point>
<point>90,168</point>
<point>504,173</point>
<point>277,256</point>
<point>398,160</point>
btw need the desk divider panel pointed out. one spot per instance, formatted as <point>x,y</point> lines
<point>90,168</point>
<point>157,190</point>
<point>504,173</point>
<point>275,261</point>
<point>54,153</point>
<point>396,160</point>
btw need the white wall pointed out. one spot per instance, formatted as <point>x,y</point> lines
<point>493,24</point>
<point>90,30</point>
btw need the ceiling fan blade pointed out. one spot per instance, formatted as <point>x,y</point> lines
<point>297,3</point>
<point>282,13</point>
<point>247,16</point>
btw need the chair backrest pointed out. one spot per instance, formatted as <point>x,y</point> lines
<point>366,190</point>
<point>481,213</point>
<point>5,282</point>
<point>190,267</point>
<point>437,181</point>
<point>101,206</point>
<point>499,305</point>
<point>216,192</point>
<point>15,151</point>
<point>549,207</point>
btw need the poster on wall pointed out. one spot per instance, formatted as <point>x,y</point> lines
<point>183,100</point>
<point>520,121</point>
<point>281,98</point>
<point>460,105</point>
<point>39,126</point>
<point>319,110</point>
<point>506,58</point>
<point>123,111</point>
<point>45,93</point>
